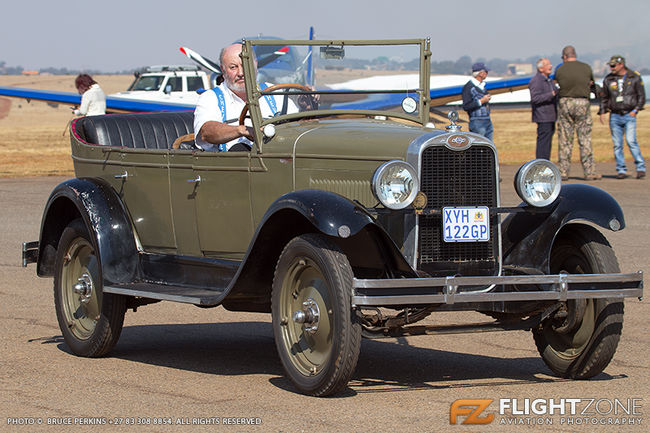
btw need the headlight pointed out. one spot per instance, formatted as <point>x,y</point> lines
<point>395,184</point>
<point>538,182</point>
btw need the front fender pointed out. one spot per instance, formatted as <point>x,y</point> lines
<point>330,213</point>
<point>358,234</point>
<point>106,219</point>
<point>528,237</point>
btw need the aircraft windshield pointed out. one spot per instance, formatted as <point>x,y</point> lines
<point>364,77</point>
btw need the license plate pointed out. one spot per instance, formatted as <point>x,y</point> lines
<point>466,224</point>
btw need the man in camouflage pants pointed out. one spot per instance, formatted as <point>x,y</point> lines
<point>575,79</point>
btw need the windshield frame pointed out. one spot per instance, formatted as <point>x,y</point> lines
<point>253,92</point>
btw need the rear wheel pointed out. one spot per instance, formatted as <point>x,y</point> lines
<point>579,341</point>
<point>90,320</point>
<point>317,334</point>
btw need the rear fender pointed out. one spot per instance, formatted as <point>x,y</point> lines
<point>528,237</point>
<point>98,205</point>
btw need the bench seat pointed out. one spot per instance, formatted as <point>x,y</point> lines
<point>135,130</point>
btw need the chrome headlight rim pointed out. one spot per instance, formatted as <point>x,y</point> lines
<point>523,176</point>
<point>379,175</point>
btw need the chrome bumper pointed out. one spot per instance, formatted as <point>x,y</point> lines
<point>30,252</point>
<point>444,290</point>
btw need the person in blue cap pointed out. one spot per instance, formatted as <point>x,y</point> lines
<point>476,101</point>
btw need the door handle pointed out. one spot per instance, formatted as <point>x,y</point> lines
<point>122,176</point>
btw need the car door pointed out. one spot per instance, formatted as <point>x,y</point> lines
<point>140,177</point>
<point>222,203</point>
<point>183,190</point>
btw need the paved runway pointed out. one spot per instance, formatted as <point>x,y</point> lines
<point>180,364</point>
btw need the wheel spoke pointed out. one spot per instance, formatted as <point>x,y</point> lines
<point>79,313</point>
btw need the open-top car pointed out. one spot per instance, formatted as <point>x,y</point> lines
<point>350,217</point>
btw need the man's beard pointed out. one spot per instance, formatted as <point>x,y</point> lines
<point>235,87</point>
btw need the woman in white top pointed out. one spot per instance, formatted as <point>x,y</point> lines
<point>93,99</point>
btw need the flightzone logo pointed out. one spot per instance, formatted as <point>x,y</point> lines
<point>542,411</point>
<point>471,410</point>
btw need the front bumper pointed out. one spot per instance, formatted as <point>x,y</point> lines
<point>444,290</point>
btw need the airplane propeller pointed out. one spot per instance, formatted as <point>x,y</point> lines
<point>203,61</point>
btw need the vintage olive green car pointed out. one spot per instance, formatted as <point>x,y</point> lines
<point>351,216</point>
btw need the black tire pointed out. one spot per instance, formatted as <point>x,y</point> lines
<point>313,270</point>
<point>90,320</point>
<point>582,344</point>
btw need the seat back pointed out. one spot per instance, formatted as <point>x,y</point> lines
<point>137,130</point>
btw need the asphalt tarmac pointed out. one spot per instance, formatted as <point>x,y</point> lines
<point>181,368</point>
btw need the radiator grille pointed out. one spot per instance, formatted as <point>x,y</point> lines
<point>452,178</point>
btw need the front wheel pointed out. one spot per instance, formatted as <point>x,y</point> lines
<point>90,320</point>
<point>579,341</point>
<point>317,334</point>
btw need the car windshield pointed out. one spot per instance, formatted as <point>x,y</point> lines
<point>339,76</point>
<point>148,82</point>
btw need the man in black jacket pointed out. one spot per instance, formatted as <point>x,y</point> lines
<point>543,99</point>
<point>476,101</point>
<point>623,95</point>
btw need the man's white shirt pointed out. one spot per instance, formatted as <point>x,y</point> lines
<point>207,109</point>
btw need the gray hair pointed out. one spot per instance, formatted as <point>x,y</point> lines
<point>223,50</point>
<point>540,63</point>
<point>475,73</point>
<point>569,51</point>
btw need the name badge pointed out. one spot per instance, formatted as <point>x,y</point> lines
<point>619,98</point>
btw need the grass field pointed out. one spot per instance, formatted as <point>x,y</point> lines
<point>34,140</point>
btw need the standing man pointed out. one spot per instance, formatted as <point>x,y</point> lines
<point>543,100</point>
<point>476,101</point>
<point>623,95</point>
<point>575,79</point>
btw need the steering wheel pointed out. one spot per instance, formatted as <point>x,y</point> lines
<point>309,102</point>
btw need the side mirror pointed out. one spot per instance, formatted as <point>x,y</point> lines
<point>168,89</point>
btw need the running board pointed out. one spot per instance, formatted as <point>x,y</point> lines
<point>186,295</point>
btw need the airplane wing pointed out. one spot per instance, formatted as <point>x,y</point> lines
<point>114,104</point>
<point>41,95</point>
<point>439,95</point>
<point>445,95</point>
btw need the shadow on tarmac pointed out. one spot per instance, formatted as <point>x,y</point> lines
<point>247,348</point>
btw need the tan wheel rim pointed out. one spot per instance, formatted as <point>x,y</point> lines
<point>304,289</point>
<point>79,290</point>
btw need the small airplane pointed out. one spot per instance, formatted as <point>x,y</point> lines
<point>176,88</point>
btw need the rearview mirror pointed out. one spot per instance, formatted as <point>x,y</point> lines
<point>331,52</point>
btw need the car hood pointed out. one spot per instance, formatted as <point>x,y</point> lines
<point>347,138</point>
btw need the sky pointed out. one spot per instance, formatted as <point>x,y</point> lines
<point>120,35</point>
